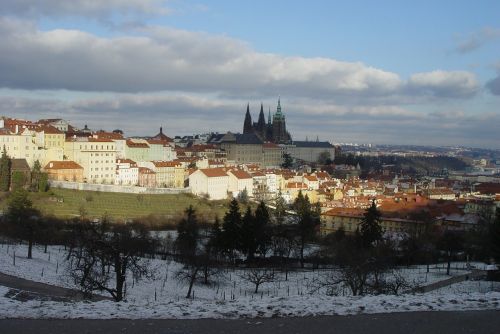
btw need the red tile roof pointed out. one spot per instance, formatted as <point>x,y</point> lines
<point>240,174</point>
<point>160,164</point>
<point>214,172</point>
<point>49,129</point>
<point>109,135</point>
<point>144,170</point>
<point>133,144</point>
<point>125,161</point>
<point>67,164</point>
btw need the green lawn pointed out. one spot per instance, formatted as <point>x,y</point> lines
<point>70,203</point>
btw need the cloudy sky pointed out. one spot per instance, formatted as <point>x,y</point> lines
<point>393,72</point>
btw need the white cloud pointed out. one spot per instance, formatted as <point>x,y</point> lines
<point>165,59</point>
<point>142,114</point>
<point>444,83</point>
<point>85,8</point>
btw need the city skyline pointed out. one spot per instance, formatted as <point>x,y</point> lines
<point>389,73</point>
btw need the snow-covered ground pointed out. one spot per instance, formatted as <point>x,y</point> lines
<point>163,297</point>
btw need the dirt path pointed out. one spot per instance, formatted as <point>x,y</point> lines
<point>474,274</point>
<point>23,289</point>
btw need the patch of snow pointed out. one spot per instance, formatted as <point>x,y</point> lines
<point>232,296</point>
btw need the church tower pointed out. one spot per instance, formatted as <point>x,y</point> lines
<point>279,126</point>
<point>260,128</point>
<point>269,128</point>
<point>247,125</point>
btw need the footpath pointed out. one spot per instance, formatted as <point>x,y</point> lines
<point>473,275</point>
<point>23,290</point>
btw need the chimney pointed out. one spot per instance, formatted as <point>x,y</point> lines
<point>17,128</point>
<point>51,165</point>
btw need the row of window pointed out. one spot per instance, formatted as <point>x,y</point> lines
<point>101,161</point>
<point>108,147</point>
<point>102,168</point>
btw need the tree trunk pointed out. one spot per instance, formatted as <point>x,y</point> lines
<point>30,247</point>
<point>448,264</point>
<point>256,287</point>
<point>191,282</point>
<point>302,245</point>
<point>120,271</point>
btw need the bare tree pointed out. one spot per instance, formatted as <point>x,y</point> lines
<point>362,270</point>
<point>258,276</point>
<point>103,254</point>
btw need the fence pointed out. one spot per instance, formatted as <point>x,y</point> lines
<point>116,188</point>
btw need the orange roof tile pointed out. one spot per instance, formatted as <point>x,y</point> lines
<point>66,164</point>
<point>144,170</point>
<point>240,174</point>
<point>214,172</point>
<point>160,164</point>
<point>133,144</point>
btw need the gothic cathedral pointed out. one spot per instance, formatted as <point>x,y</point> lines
<point>274,131</point>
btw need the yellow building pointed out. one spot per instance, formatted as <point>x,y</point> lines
<point>349,219</point>
<point>169,174</point>
<point>64,171</point>
<point>26,145</point>
<point>96,156</point>
<point>52,137</point>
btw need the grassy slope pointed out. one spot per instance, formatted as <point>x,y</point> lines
<point>121,206</point>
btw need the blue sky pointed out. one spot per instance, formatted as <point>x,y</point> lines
<point>423,72</point>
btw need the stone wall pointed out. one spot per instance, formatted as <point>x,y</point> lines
<point>116,188</point>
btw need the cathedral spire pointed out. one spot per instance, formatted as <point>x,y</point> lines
<point>262,120</point>
<point>261,123</point>
<point>278,109</point>
<point>247,125</point>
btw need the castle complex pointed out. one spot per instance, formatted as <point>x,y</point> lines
<point>274,131</point>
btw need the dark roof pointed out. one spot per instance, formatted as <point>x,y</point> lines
<point>19,165</point>
<point>215,138</point>
<point>312,144</point>
<point>248,139</point>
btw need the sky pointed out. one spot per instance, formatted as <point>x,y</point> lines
<point>380,72</point>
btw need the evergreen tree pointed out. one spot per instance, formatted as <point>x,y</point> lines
<point>4,171</point>
<point>495,237</point>
<point>18,180</point>
<point>187,234</point>
<point>248,234</point>
<point>36,174</point>
<point>214,242</point>
<point>371,231</point>
<point>280,211</point>
<point>23,217</point>
<point>308,220</point>
<point>231,229</point>
<point>243,196</point>
<point>287,161</point>
<point>262,228</point>
<point>43,184</point>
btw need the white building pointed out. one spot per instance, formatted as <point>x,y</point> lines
<point>309,150</point>
<point>96,156</point>
<point>29,145</point>
<point>239,180</point>
<point>127,172</point>
<point>272,183</point>
<point>212,182</point>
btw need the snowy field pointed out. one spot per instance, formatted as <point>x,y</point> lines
<point>232,296</point>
